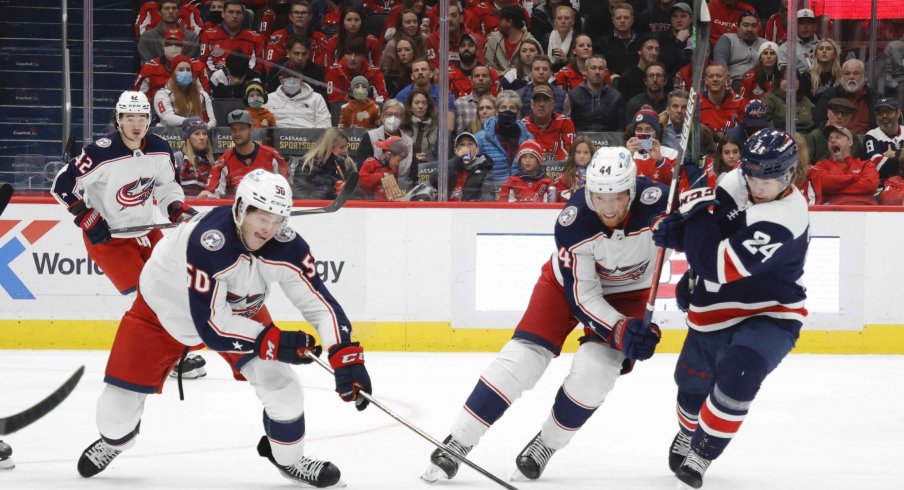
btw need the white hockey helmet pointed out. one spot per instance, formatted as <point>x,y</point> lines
<point>612,169</point>
<point>265,191</point>
<point>132,102</point>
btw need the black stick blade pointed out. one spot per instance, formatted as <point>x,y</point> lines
<point>13,423</point>
<point>6,193</point>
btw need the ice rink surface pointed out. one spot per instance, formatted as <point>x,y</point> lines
<point>820,422</point>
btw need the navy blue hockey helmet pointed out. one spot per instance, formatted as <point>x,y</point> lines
<point>768,154</point>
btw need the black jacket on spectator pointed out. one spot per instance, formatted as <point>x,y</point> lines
<point>542,21</point>
<point>672,53</point>
<point>479,183</point>
<point>599,20</point>
<point>822,107</point>
<point>601,112</point>
<point>619,54</point>
<point>630,83</point>
<point>317,182</point>
<point>635,103</point>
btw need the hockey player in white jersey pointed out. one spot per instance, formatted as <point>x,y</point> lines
<point>206,285</point>
<point>745,307</point>
<point>600,277</point>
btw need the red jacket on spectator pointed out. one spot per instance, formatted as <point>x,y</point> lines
<point>330,52</point>
<point>525,188</point>
<point>485,10</point>
<point>433,48</point>
<point>750,89</point>
<point>724,19</point>
<point>728,114</point>
<point>149,17</point>
<point>683,77</point>
<point>853,181</point>
<point>379,6</point>
<point>371,179</point>
<point>217,44</point>
<point>555,139</point>
<point>329,25</point>
<point>229,169</point>
<point>339,78</point>
<point>461,84</point>
<point>278,45</point>
<point>892,194</point>
<point>708,173</point>
<point>776,30</point>
<point>153,75</point>
<point>470,19</point>
<point>649,168</point>
<point>569,79</point>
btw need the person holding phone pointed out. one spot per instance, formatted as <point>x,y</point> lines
<point>653,159</point>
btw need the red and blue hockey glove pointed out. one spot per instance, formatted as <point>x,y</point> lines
<point>695,200</point>
<point>669,232</point>
<point>95,226</point>
<point>272,344</point>
<point>631,337</point>
<point>347,360</point>
<point>179,211</point>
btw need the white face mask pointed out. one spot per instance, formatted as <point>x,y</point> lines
<point>172,51</point>
<point>392,124</point>
<point>291,86</point>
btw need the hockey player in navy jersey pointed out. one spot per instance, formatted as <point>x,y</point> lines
<point>206,285</point>
<point>600,277</point>
<point>746,243</point>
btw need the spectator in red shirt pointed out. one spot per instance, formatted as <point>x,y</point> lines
<point>572,74</point>
<point>156,72</point>
<point>653,160</point>
<point>503,45</point>
<point>758,81</point>
<point>460,71</point>
<point>457,32</point>
<point>150,44</point>
<point>530,184</point>
<point>299,28</point>
<point>351,28</point>
<point>152,12</point>
<point>379,174</point>
<point>552,131</point>
<point>219,42</point>
<point>842,178</point>
<point>416,6</point>
<point>777,25</point>
<point>242,158</point>
<point>575,173</point>
<point>725,15</point>
<point>720,108</point>
<point>408,27</point>
<point>353,63</point>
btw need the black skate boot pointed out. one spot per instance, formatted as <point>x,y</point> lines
<point>96,458</point>
<point>692,470</point>
<point>533,458</point>
<point>681,445</point>
<point>192,367</point>
<point>6,460</point>
<point>444,465</point>
<point>316,473</point>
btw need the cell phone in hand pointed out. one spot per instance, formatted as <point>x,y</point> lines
<point>646,141</point>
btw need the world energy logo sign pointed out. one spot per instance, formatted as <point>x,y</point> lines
<point>12,247</point>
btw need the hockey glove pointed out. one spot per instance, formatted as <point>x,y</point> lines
<point>683,292</point>
<point>273,344</point>
<point>347,360</point>
<point>696,200</point>
<point>636,341</point>
<point>180,212</point>
<point>95,226</point>
<point>669,232</point>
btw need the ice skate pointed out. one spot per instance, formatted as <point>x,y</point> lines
<point>6,460</point>
<point>308,471</point>
<point>531,461</point>
<point>681,445</point>
<point>442,465</point>
<point>192,367</point>
<point>692,470</point>
<point>97,457</point>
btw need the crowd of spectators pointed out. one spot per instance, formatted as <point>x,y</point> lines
<point>528,81</point>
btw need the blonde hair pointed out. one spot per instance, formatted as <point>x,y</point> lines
<point>836,66</point>
<point>477,125</point>
<point>323,150</point>
<point>799,179</point>
<point>186,101</point>
<point>189,152</point>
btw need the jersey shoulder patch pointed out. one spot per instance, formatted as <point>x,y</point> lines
<point>287,234</point>
<point>103,142</point>
<point>568,215</point>
<point>650,195</point>
<point>213,240</point>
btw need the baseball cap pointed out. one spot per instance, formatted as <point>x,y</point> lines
<point>394,145</point>
<point>755,115</point>
<point>192,124</point>
<point>174,34</point>
<point>465,36</point>
<point>841,103</point>
<point>806,14</point>
<point>828,129</point>
<point>887,102</point>
<point>239,116</point>
<point>542,91</point>
<point>682,6</point>
<point>463,136</point>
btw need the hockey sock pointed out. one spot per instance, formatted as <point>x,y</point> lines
<point>688,409</point>
<point>286,438</point>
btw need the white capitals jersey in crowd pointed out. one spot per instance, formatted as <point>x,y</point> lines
<point>205,286</point>
<point>120,183</point>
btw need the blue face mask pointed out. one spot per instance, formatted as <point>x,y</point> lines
<point>184,78</point>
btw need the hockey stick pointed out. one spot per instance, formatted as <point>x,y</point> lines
<point>6,193</point>
<point>435,442</point>
<point>351,183</point>
<point>13,423</point>
<point>691,118</point>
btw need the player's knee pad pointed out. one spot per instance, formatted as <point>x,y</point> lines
<point>517,368</point>
<point>741,372</point>
<point>119,413</point>
<point>593,374</point>
<point>278,388</point>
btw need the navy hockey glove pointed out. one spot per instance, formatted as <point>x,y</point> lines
<point>635,340</point>
<point>683,292</point>
<point>179,211</point>
<point>669,232</point>
<point>696,200</point>
<point>95,226</point>
<point>272,344</point>
<point>347,360</point>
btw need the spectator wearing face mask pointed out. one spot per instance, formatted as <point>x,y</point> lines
<point>229,82</point>
<point>393,114</point>
<point>295,104</point>
<point>255,98</point>
<point>361,111</point>
<point>502,135</point>
<point>154,74</point>
<point>183,96</point>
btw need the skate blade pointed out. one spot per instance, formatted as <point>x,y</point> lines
<point>338,484</point>
<point>7,464</point>
<point>683,486</point>
<point>433,474</point>
<point>519,477</point>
